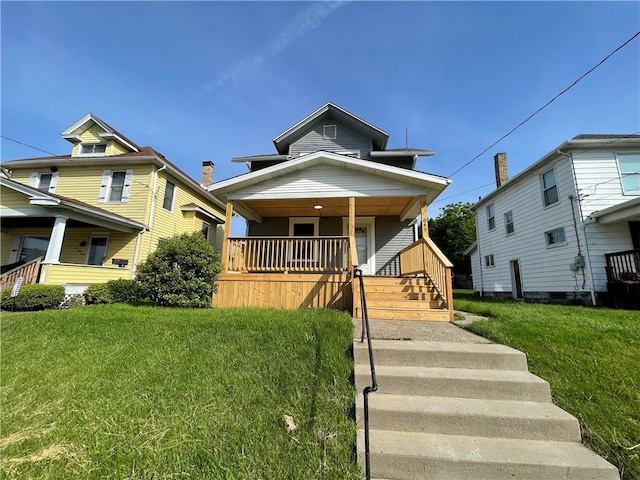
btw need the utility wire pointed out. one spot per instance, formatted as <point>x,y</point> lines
<point>543,107</point>
<point>27,145</point>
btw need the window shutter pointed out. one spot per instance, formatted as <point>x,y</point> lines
<point>127,186</point>
<point>54,182</point>
<point>103,186</point>
<point>33,179</point>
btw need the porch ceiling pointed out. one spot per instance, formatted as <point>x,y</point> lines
<point>331,207</point>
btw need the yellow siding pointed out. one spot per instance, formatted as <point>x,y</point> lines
<point>81,274</point>
<point>120,245</point>
<point>11,199</point>
<point>83,183</point>
<point>114,148</point>
<point>6,241</point>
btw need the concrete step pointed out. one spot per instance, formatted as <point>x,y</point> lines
<point>441,354</point>
<point>466,416</point>
<point>384,313</point>
<point>456,382</point>
<point>412,455</point>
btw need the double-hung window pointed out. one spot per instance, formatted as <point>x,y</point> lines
<point>629,166</point>
<point>115,186</point>
<point>549,187</point>
<point>169,195</point>
<point>44,181</point>
<point>491,217</point>
<point>508,223</point>
<point>489,261</point>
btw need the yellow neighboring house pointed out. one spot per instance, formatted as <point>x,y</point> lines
<point>93,215</point>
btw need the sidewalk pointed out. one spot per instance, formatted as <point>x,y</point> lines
<point>421,330</point>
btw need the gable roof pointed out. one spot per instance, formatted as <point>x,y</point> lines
<point>143,155</point>
<point>73,208</point>
<point>590,141</point>
<point>328,112</point>
<point>72,133</point>
<point>432,183</point>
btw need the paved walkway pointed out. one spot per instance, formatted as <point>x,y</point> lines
<point>421,330</point>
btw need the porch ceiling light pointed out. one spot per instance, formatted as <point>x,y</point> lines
<point>317,206</point>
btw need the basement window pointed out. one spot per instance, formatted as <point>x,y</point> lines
<point>330,132</point>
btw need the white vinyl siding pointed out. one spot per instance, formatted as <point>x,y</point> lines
<point>325,181</point>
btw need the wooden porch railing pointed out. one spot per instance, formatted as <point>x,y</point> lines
<point>623,266</point>
<point>423,257</point>
<point>288,254</point>
<point>29,271</point>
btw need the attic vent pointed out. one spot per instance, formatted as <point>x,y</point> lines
<point>330,132</point>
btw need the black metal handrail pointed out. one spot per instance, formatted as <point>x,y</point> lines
<point>374,382</point>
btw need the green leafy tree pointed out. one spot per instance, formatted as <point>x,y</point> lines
<point>454,230</point>
<point>181,272</point>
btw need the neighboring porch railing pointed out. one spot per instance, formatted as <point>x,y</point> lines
<point>423,257</point>
<point>288,254</point>
<point>623,266</point>
<point>29,271</point>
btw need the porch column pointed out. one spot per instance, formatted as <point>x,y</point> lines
<point>353,254</point>
<point>55,242</point>
<point>423,215</point>
<point>225,240</point>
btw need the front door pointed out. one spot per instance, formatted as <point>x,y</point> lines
<point>365,247</point>
<point>516,280</point>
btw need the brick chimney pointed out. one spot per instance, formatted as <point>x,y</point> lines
<point>206,177</point>
<point>500,162</point>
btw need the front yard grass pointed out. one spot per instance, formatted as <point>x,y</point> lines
<point>116,391</point>
<point>591,358</point>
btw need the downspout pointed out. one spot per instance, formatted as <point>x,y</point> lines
<point>479,258</point>
<point>136,252</point>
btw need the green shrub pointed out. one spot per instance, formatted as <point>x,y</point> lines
<point>124,291</point>
<point>181,272</point>
<point>97,293</point>
<point>33,297</point>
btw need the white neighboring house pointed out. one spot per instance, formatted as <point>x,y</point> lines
<point>566,228</point>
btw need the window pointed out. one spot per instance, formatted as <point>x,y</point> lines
<point>508,223</point>
<point>97,249</point>
<point>44,181</point>
<point>115,186</point>
<point>555,237</point>
<point>488,261</point>
<point>549,187</point>
<point>491,217</point>
<point>32,248</point>
<point>629,165</point>
<point>93,148</point>
<point>330,132</point>
<point>205,230</point>
<point>169,194</point>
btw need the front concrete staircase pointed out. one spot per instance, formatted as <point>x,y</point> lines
<point>402,298</point>
<point>466,411</point>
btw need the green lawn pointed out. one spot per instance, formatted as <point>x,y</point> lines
<point>591,358</point>
<point>140,392</point>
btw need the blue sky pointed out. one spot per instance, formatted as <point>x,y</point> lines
<point>215,80</point>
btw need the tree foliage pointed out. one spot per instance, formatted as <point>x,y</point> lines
<point>454,230</point>
<point>181,272</point>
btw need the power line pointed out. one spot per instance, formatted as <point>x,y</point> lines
<point>544,106</point>
<point>30,146</point>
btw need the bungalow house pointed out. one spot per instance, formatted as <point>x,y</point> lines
<point>333,198</point>
<point>565,229</point>
<point>93,215</point>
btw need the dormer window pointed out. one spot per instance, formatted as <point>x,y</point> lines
<point>93,149</point>
<point>330,132</point>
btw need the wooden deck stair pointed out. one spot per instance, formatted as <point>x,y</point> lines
<point>402,298</point>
